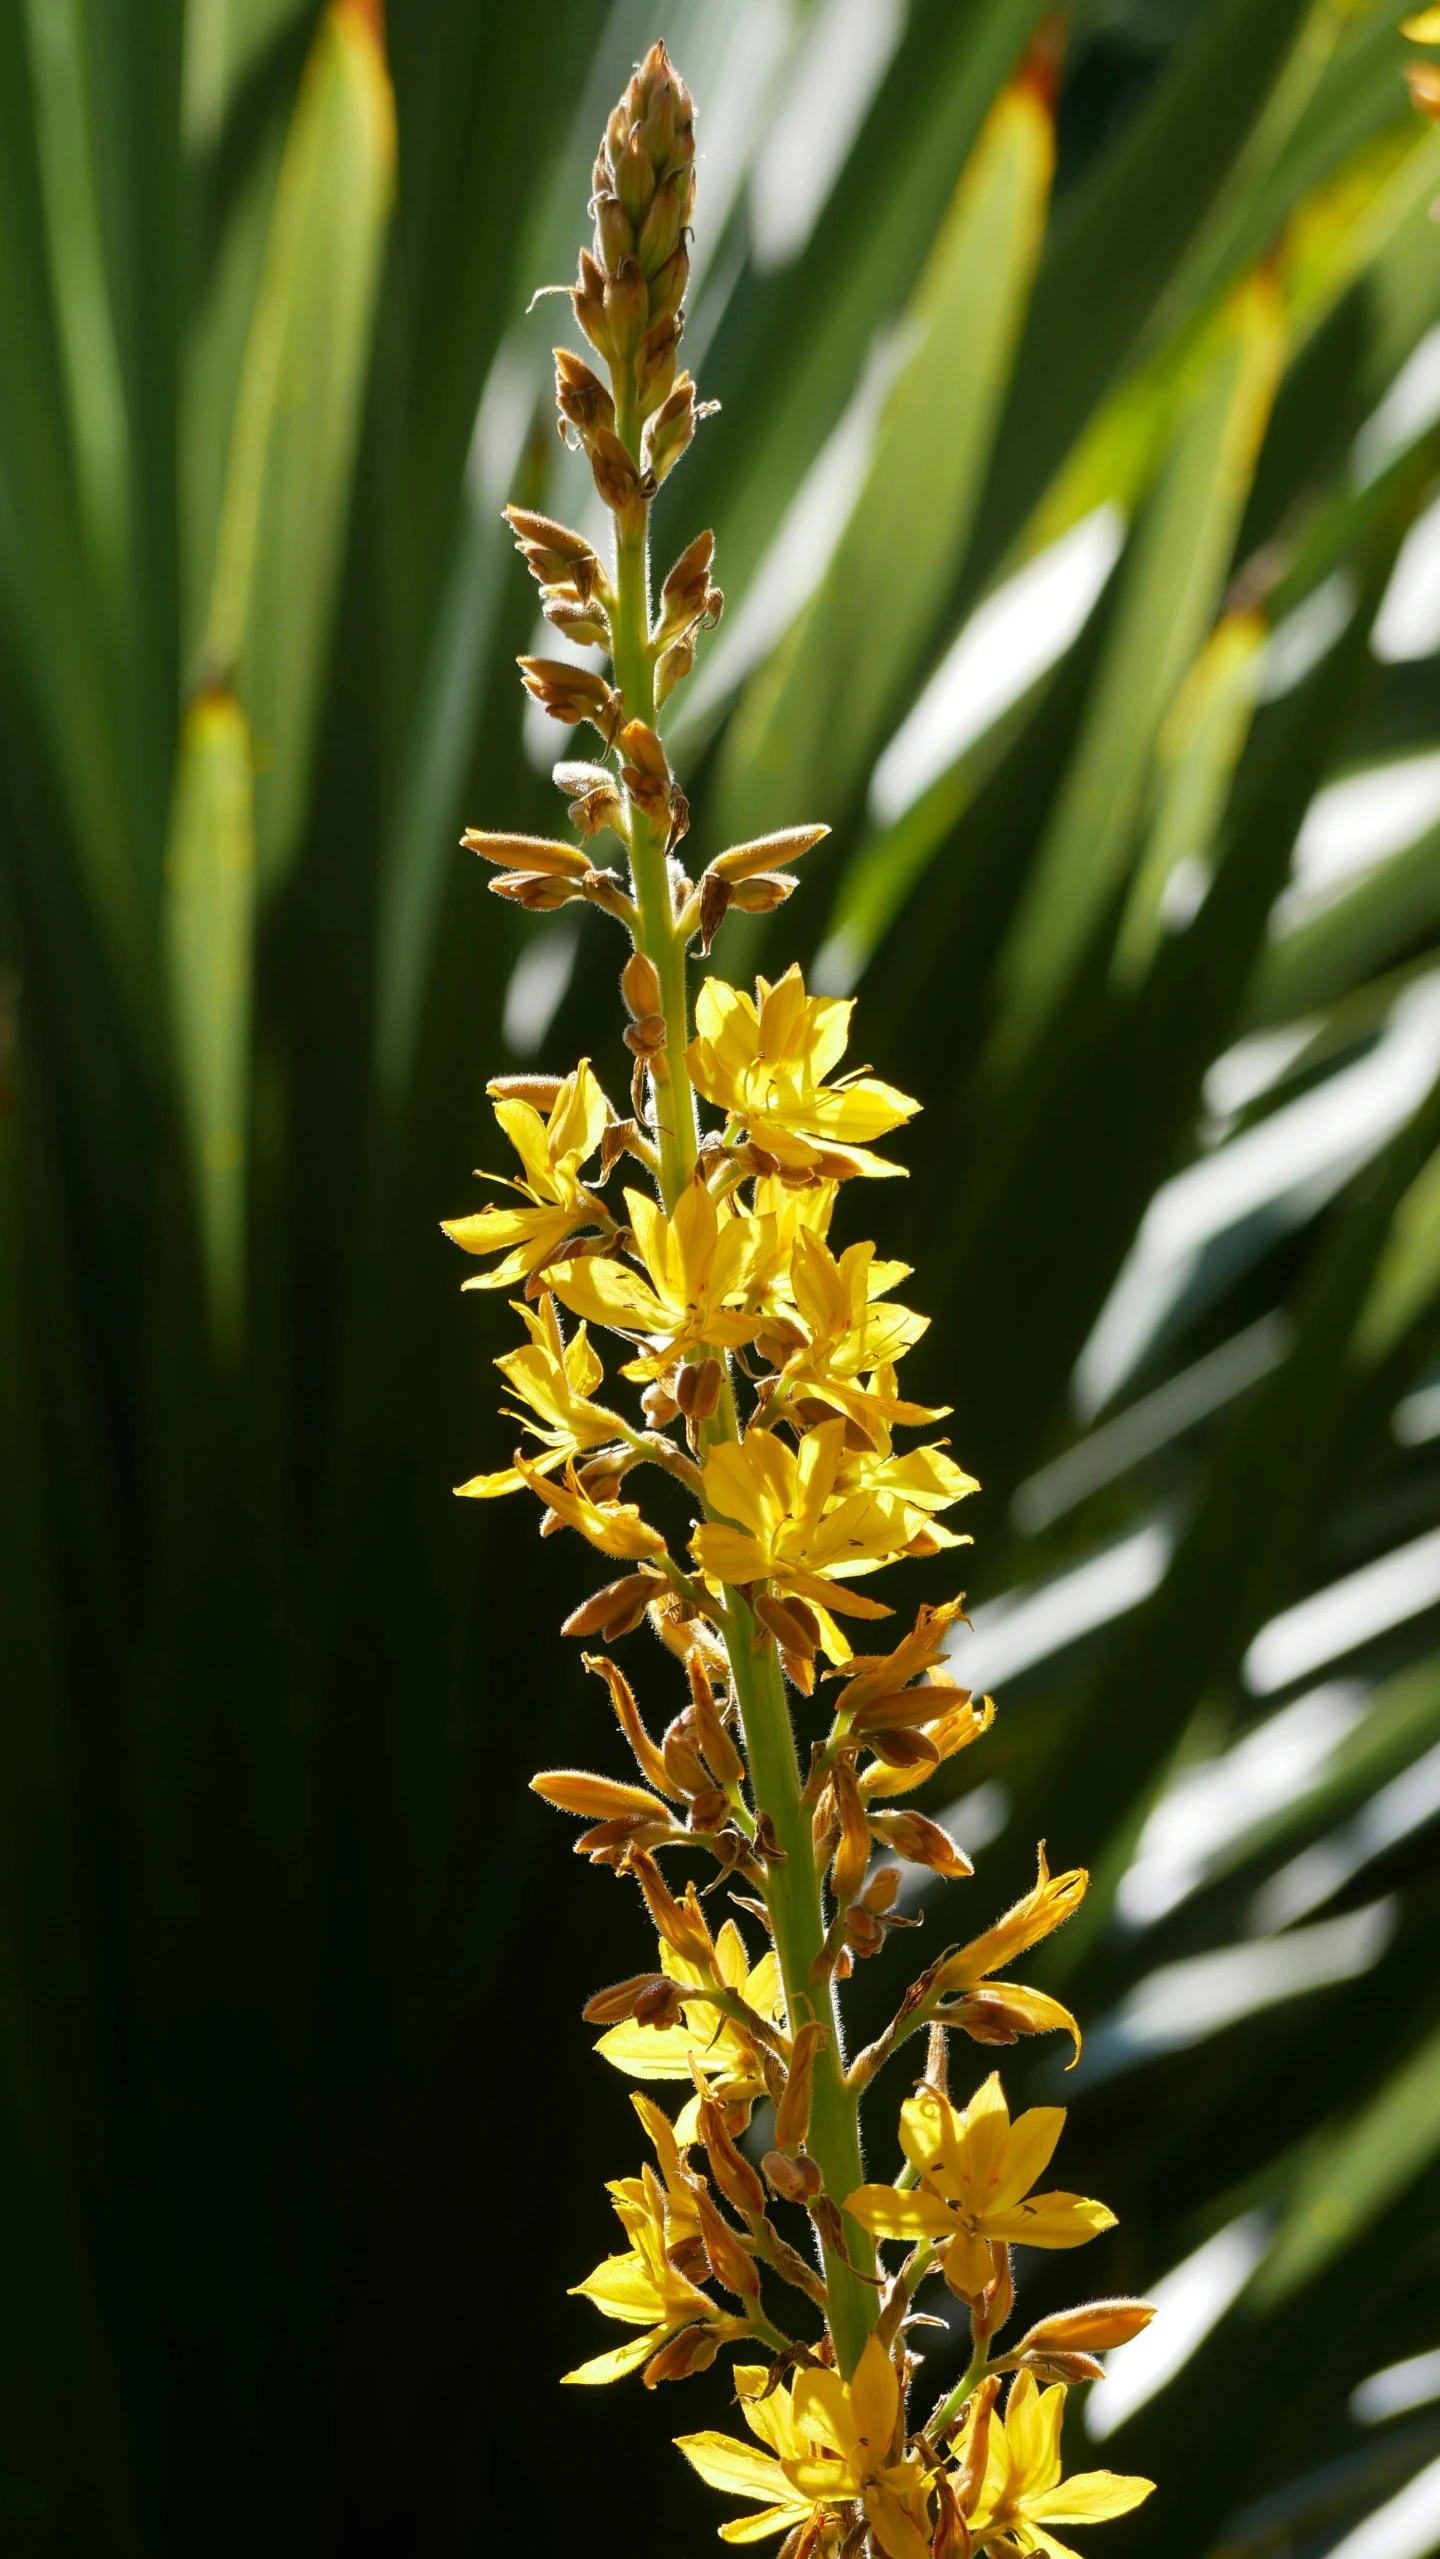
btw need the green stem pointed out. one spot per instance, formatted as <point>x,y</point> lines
<point>793,1890</point>
<point>656,932</point>
<point>793,1896</point>
<point>951,2405</point>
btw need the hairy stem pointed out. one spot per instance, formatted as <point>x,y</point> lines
<point>793,1891</point>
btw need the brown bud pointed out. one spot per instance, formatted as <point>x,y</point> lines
<point>680,1923</point>
<point>905,1749</point>
<point>537,891</point>
<point>761,894</point>
<point>542,1092</point>
<point>686,1769</point>
<point>614,233</point>
<point>689,2350</point>
<point>697,1390</point>
<point>613,1611</point>
<point>768,852</point>
<point>923,1842</point>
<point>789,1621</point>
<point>715,897</point>
<point>571,694</point>
<point>640,986</point>
<point>792,2115</point>
<point>853,1854</point>
<point>1066,2368</point>
<point>526,853</point>
<point>601,1477</point>
<point>730,2264</point>
<point>660,227</point>
<point>646,769</point>
<point>668,281</point>
<point>1091,2328</point>
<point>654,363</point>
<point>672,666</point>
<point>616,478</point>
<point>584,623</point>
<point>658,1405</point>
<point>587,299</point>
<point>581,396</point>
<point>672,429</point>
<point>969,2478</point>
<point>629,307</point>
<point>597,808</point>
<point>710,1812</point>
<point>879,1894</point>
<point>635,178</point>
<point>645,1038</point>
<point>578,1790</point>
<point>731,2170</point>
<point>653,1998</point>
<point>795,2181</point>
<point>682,600</point>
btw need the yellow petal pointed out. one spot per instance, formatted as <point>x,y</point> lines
<point>1422,29</point>
<point>888,2214</point>
<point>619,2361</point>
<point>1092,2496</point>
<point>1051,2221</point>
<point>735,2468</point>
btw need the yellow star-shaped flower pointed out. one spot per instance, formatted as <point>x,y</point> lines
<point>764,1062</point>
<point>832,2450</point>
<point>976,2172</point>
<point>1022,2492</point>
<point>697,1263</point>
<point>552,1152</point>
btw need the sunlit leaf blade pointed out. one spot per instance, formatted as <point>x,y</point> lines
<point>1358,2170</point>
<point>297,414</point>
<point>209,927</point>
<point>1169,588</point>
<point>809,724</point>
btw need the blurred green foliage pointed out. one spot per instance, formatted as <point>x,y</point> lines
<point>299,2139</point>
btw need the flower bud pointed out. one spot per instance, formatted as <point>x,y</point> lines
<point>628,310</point>
<point>614,233</point>
<point>659,232</point>
<point>542,1092</point>
<point>921,1841</point>
<point>539,893</point>
<point>761,894</point>
<point>572,694</point>
<point>853,1854</point>
<point>672,666</point>
<point>789,1621</point>
<point>681,1752</point>
<point>640,986</point>
<point>730,2264</point>
<point>576,1790</point>
<point>645,1038</point>
<point>616,478</point>
<point>580,395</point>
<point>737,2180</point>
<point>689,2350</point>
<point>715,899</point>
<point>697,1390</point>
<point>795,2181</point>
<point>655,361</point>
<point>653,1998</point>
<point>526,853</point>
<point>792,2115</point>
<point>613,1611</point>
<point>587,299</point>
<point>635,178</point>
<point>1092,2328</point>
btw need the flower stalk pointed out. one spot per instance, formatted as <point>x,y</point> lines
<point>765,1360</point>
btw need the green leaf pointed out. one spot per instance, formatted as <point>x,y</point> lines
<point>209,920</point>
<point>810,723</point>
<point>298,415</point>
<point>1196,754</point>
<point>1169,587</point>
<point>1358,2172</point>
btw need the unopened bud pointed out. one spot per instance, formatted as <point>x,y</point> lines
<point>795,2181</point>
<point>652,1998</point>
<point>921,1841</point>
<point>613,1611</point>
<point>730,2264</point>
<point>654,363</point>
<point>697,1390</point>
<point>658,1405</point>
<point>715,898</point>
<point>685,1767</point>
<point>689,2350</point>
<point>672,666</point>
<point>646,1037</point>
<point>527,853</point>
<point>904,1749</point>
<point>640,986</point>
<point>792,2115</point>
<point>1092,2328</point>
<point>853,1854</point>
<point>737,2180</point>
<point>789,1621</point>
<point>577,1790</point>
<point>542,1092</point>
<point>761,894</point>
<point>581,396</point>
<point>571,694</point>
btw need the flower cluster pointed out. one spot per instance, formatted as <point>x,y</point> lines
<point>755,1361</point>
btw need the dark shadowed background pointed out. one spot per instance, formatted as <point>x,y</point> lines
<point>1083,571</point>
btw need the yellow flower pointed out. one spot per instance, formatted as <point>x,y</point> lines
<point>1022,2493</point>
<point>852,1334</point>
<point>924,1479</point>
<point>556,1379</point>
<point>779,1520</point>
<point>645,2287</point>
<point>552,1151</point>
<point>696,1260</point>
<point>831,2447</point>
<point>717,2046</point>
<point>976,2172</point>
<point>617,1528</point>
<point>764,1064</point>
<point>1051,1900</point>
